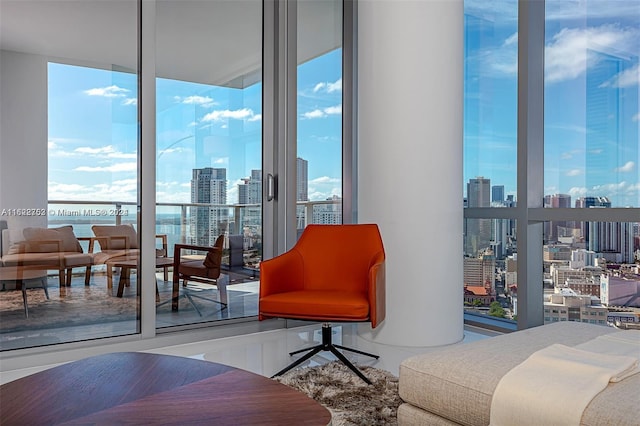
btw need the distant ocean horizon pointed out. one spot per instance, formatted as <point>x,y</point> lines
<point>166,223</point>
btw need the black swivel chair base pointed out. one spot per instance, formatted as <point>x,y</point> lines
<point>326,345</point>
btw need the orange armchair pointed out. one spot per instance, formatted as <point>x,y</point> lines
<point>333,273</point>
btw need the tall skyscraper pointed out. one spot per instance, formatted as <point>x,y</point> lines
<point>611,140</point>
<point>613,240</point>
<point>497,193</point>
<point>329,214</point>
<point>302,180</point>
<point>478,231</point>
<point>208,186</point>
<point>556,229</point>
<point>250,192</point>
<point>586,202</point>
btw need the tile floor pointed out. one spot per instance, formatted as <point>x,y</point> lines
<point>266,352</point>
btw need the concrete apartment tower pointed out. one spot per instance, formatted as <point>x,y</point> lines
<point>209,186</point>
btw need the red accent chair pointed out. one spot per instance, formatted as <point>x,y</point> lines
<point>334,273</point>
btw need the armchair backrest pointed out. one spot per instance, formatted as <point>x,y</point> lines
<point>213,259</point>
<point>116,237</point>
<point>339,256</point>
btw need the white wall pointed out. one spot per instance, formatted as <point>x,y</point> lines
<point>410,85</point>
<point>23,136</point>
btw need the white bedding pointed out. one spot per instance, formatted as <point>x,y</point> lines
<point>555,384</point>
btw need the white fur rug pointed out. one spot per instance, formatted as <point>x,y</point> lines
<point>350,400</point>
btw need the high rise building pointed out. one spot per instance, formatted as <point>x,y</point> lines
<point>208,186</point>
<point>478,231</point>
<point>329,214</point>
<point>613,240</point>
<point>587,202</point>
<point>497,193</point>
<point>250,192</point>
<point>302,180</point>
<point>557,228</point>
<point>606,119</point>
<point>480,271</point>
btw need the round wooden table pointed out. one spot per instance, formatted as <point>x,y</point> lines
<point>151,389</point>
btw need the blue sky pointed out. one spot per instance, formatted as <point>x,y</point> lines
<point>580,36</point>
<point>93,129</point>
<point>92,132</point>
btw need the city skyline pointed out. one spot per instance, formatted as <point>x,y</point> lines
<point>590,52</point>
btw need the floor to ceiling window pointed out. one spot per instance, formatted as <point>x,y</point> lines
<point>69,168</point>
<point>319,113</point>
<point>209,150</point>
<point>577,197</point>
<point>79,145</point>
<point>490,153</point>
<point>591,159</point>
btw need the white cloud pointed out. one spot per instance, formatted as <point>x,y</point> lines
<point>324,180</point>
<point>328,87</point>
<point>563,9</point>
<point>320,113</point>
<point>108,92</point>
<point>170,151</point>
<point>333,110</point>
<point>203,101</point>
<point>511,40</point>
<point>324,187</point>
<point>256,117</point>
<point>103,152</point>
<point>124,190</point>
<point>628,167</point>
<point>95,151</point>
<point>113,168</point>
<point>577,192</point>
<point>572,50</point>
<point>569,53</point>
<point>574,172</point>
<point>238,114</point>
<point>130,101</point>
<point>316,113</point>
<point>627,78</point>
<point>222,161</point>
<point>636,117</point>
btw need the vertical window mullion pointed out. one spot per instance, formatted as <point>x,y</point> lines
<point>531,20</point>
<point>147,165</point>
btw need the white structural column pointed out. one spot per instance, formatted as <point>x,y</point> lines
<point>410,113</point>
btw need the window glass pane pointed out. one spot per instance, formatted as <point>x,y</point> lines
<point>592,271</point>
<point>319,106</point>
<point>209,154</point>
<point>592,150</point>
<point>490,96</point>
<point>491,274</point>
<point>69,155</point>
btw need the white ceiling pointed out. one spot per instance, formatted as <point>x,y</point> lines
<point>207,41</point>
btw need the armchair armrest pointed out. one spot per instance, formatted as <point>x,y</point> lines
<point>214,255</point>
<point>377,291</point>
<point>91,241</point>
<point>281,273</point>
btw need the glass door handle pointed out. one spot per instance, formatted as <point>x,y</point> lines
<point>271,187</point>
